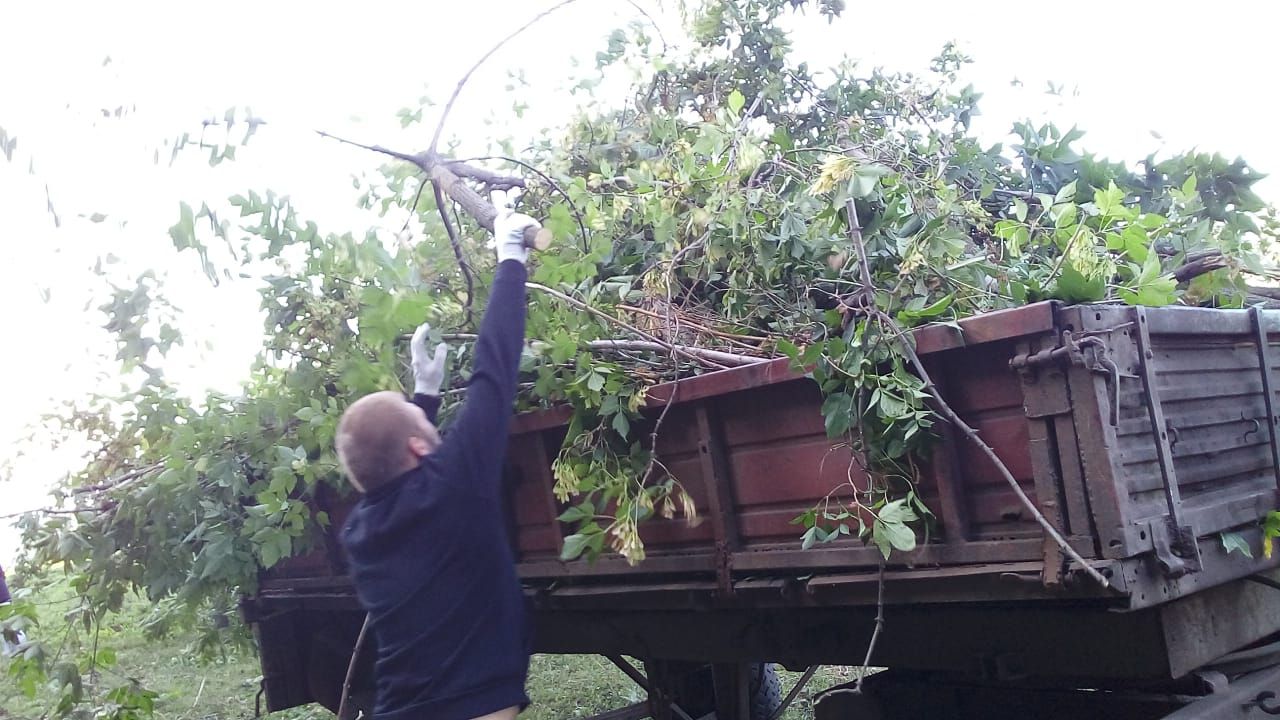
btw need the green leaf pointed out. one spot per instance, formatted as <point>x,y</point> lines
<point>736,102</point>
<point>862,184</point>
<point>809,538</point>
<point>837,413</point>
<point>1235,542</point>
<point>573,546</point>
<point>788,348</point>
<point>560,222</point>
<point>621,424</point>
<point>1065,194</point>
<point>183,233</point>
<point>595,381</point>
<point>897,511</point>
<point>892,536</point>
<point>1110,202</point>
<point>575,513</point>
<point>1076,288</point>
<point>930,311</point>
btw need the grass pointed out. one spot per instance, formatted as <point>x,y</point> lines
<point>560,686</point>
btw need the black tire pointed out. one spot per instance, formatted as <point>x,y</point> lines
<point>766,691</point>
<point>695,690</point>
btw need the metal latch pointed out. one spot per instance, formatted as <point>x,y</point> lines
<point>1177,549</point>
<point>1073,350</point>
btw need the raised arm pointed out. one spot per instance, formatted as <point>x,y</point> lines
<point>479,437</point>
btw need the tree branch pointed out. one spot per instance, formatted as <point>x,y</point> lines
<point>718,356</point>
<point>444,116</point>
<point>486,177</point>
<point>118,481</point>
<point>625,325</point>
<point>972,436</point>
<point>457,252</point>
<point>577,214</point>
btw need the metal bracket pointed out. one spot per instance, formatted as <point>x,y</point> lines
<point>1263,340</point>
<point>1072,350</point>
<point>1177,549</point>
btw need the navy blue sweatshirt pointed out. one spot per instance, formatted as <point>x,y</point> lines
<point>429,551</point>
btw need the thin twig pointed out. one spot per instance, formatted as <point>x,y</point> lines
<point>413,207</point>
<point>662,38</point>
<point>622,323</point>
<point>419,159</point>
<point>50,511</point>
<point>868,308</point>
<point>795,690</point>
<point>118,481</point>
<point>739,340</point>
<point>457,250</point>
<point>970,434</point>
<point>855,237</point>
<point>444,116</point>
<point>719,356</point>
<point>621,346</point>
<point>356,651</point>
<point>871,646</point>
<point>875,634</point>
<point>199,692</point>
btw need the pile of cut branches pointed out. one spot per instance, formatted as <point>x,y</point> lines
<point>736,208</point>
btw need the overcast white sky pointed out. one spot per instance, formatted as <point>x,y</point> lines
<point>1198,75</point>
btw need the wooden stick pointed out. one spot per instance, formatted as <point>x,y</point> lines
<point>623,324</point>
<point>648,346</point>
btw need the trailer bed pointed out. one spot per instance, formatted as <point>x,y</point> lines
<point>1141,434</point>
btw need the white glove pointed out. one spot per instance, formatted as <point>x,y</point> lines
<point>508,235</point>
<point>428,372</point>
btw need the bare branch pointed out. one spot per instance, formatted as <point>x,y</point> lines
<point>444,116</point>
<point>487,177</point>
<point>421,159</point>
<point>457,251</point>
<point>721,357</point>
<point>118,481</point>
<point>625,325</point>
<point>972,436</point>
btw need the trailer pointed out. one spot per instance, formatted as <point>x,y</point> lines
<point>1141,434</point>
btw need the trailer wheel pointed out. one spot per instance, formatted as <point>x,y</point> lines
<point>692,687</point>
<point>766,691</point>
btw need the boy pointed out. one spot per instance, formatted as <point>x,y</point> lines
<point>428,548</point>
